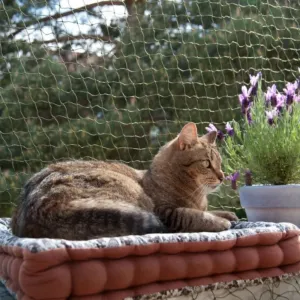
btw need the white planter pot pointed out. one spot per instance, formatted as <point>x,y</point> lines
<point>274,203</point>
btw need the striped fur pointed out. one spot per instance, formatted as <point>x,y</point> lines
<point>80,200</point>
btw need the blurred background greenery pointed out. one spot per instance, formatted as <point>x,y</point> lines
<point>115,80</point>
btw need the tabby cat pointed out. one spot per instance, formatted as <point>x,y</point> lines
<point>79,200</point>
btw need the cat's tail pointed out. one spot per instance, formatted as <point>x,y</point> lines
<point>82,223</point>
<point>108,222</point>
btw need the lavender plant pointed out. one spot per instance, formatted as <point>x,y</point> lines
<point>265,146</point>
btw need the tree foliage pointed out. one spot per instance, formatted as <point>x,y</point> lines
<point>167,63</point>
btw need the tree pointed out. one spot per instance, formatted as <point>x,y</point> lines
<point>166,63</point>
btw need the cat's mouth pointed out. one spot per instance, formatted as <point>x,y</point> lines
<point>214,186</point>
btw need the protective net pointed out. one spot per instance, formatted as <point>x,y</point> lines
<point>280,287</point>
<point>115,80</point>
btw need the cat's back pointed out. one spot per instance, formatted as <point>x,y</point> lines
<point>102,168</point>
<point>78,186</point>
<point>79,179</point>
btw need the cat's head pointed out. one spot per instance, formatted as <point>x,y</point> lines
<point>194,158</point>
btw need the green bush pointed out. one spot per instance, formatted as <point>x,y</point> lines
<point>267,141</point>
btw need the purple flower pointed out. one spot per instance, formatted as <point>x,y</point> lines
<point>229,129</point>
<point>290,93</point>
<point>297,84</point>
<point>297,99</point>
<point>249,117</point>
<point>254,83</point>
<point>233,178</point>
<point>245,98</point>
<point>281,99</point>
<point>271,115</point>
<point>271,96</point>
<point>212,127</point>
<point>220,135</point>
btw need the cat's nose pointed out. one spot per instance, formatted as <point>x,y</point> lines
<point>221,176</point>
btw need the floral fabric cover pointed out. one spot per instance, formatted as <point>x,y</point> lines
<point>131,266</point>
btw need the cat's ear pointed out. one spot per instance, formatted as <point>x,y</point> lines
<point>188,136</point>
<point>210,137</point>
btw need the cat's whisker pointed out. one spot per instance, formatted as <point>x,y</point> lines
<point>198,189</point>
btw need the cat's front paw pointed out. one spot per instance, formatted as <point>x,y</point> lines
<point>231,216</point>
<point>228,215</point>
<point>221,224</point>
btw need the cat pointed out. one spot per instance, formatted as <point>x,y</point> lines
<point>80,200</point>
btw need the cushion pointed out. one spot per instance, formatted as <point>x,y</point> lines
<point>115,268</point>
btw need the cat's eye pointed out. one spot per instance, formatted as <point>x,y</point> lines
<point>206,163</point>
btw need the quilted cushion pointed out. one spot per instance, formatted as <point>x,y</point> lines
<point>114,268</point>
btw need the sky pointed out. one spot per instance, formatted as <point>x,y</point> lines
<point>109,11</point>
<point>75,24</point>
<point>68,4</point>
